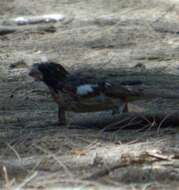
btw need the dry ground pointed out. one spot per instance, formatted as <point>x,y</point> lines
<point>126,39</point>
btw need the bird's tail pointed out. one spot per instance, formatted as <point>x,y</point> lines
<point>136,90</point>
<point>125,89</point>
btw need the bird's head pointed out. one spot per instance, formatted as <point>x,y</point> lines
<point>35,72</point>
<point>48,72</point>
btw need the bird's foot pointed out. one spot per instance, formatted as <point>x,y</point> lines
<point>61,122</point>
<point>61,116</point>
<point>58,123</point>
<point>120,110</point>
<point>117,110</point>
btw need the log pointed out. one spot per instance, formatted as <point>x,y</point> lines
<point>128,121</point>
<point>114,159</point>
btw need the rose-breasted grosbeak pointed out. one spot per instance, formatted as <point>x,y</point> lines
<point>77,94</point>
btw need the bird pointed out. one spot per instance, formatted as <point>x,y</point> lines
<point>80,94</point>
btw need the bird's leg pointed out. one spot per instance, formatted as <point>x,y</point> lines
<point>61,111</point>
<point>61,115</point>
<point>116,110</point>
<point>125,109</point>
<point>121,109</point>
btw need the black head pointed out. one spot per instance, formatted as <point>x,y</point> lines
<point>49,72</point>
<point>35,73</point>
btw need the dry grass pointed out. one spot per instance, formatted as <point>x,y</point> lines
<point>55,157</point>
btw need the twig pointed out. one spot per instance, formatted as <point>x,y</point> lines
<point>56,159</point>
<point>7,182</point>
<point>163,120</point>
<point>114,124</point>
<point>159,156</point>
<point>130,123</point>
<point>13,149</point>
<point>26,180</point>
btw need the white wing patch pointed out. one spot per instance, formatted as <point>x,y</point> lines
<point>107,84</point>
<point>85,89</point>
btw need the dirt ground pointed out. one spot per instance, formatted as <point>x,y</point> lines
<point>116,39</point>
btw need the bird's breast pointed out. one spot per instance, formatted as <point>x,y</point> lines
<point>85,104</point>
<point>93,104</point>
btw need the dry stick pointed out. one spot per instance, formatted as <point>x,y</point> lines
<point>149,124</point>
<point>7,182</point>
<point>37,19</point>
<point>146,186</point>
<point>13,149</point>
<point>113,124</point>
<point>92,145</point>
<point>146,119</point>
<point>147,127</point>
<point>160,156</point>
<point>128,125</point>
<point>15,167</point>
<point>85,140</point>
<point>26,180</point>
<point>56,159</point>
<point>172,118</point>
<point>163,120</point>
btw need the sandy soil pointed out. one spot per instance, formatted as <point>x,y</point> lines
<point>114,39</point>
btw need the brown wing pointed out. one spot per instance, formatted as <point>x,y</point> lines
<point>132,92</point>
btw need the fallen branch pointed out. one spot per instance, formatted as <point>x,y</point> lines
<point>133,120</point>
<point>128,160</point>
<point>108,162</point>
<point>159,155</point>
<point>38,19</point>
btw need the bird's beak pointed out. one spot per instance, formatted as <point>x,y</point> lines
<point>37,76</point>
<point>31,73</point>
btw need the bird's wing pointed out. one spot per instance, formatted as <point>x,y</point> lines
<point>130,89</point>
<point>82,86</point>
<point>86,90</point>
<point>86,87</point>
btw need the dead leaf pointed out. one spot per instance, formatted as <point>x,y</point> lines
<point>79,152</point>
